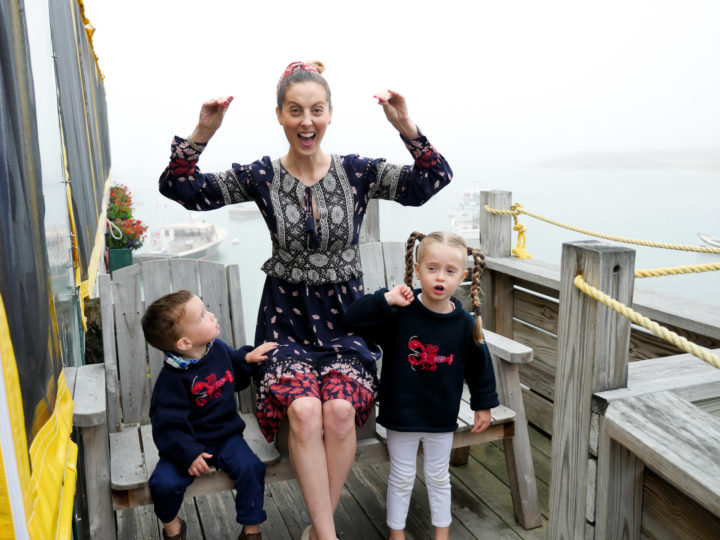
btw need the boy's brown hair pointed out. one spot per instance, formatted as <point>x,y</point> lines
<point>161,321</point>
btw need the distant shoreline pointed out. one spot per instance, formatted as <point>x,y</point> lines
<point>695,160</point>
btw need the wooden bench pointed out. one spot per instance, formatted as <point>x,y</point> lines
<point>112,399</point>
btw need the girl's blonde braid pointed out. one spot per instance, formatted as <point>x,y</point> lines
<point>476,291</point>
<point>410,246</point>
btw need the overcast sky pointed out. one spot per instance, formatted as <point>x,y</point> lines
<point>496,82</point>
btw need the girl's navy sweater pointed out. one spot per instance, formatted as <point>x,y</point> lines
<point>194,410</point>
<point>426,357</point>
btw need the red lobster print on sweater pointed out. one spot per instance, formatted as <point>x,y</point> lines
<point>426,358</point>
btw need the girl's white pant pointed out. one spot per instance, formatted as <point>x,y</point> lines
<point>403,447</point>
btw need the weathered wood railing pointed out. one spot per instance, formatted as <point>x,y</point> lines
<point>631,431</point>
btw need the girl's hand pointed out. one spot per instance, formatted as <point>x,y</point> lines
<point>199,467</point>
<point>400,295</point>
<point>212,113</point>
<point>482,421</point>
<point>259,353</point>
<point>395,108</point>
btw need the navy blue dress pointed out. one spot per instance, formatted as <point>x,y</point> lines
<point>314,272</point>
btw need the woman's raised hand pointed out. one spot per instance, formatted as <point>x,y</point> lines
<point>212,113</point>
<point>395,108</point>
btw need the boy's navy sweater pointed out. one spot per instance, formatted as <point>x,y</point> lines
<point>193,410</point>
<point>426,356</point>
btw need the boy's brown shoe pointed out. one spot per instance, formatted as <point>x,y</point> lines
<point>180,535</point>
<point>250,536</point>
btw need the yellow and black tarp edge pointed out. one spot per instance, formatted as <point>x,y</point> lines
<point>87,287</point>
<point>54,459</point>
<point>17,427</point>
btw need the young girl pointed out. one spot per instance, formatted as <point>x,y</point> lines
<point>430,345</point>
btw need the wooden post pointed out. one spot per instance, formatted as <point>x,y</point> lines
<point>593,343</point>
<point>495,229</point>
<point>495,241</point>
<point>90,415</point>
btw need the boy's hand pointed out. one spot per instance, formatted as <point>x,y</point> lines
<point>400,295</point>
<point>482,421</point>
<point>259,353</point>
<point>199,467</point>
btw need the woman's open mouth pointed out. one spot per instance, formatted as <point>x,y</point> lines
<point>306,139</point>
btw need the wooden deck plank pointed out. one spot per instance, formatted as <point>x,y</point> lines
<point>188,512</point>
<point>481,505</point>
<point>288,498</point>
<point>488,488</point>
<point>470,514</point>
<point>138,523</point>
<point>369,487</point>
<point>492,457</point>
<point>351,522</point>
<point>217,516</point>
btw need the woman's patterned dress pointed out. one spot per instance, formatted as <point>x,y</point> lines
<point>314,272</point>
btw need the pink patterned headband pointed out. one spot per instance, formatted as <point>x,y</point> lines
<point>294,66</point>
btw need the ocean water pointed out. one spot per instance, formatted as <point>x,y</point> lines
<point>663,205</point>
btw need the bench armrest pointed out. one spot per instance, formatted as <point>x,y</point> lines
<point>506,349</point>
<point>89,396</point>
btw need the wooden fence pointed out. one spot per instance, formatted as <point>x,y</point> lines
<point>599,386</point>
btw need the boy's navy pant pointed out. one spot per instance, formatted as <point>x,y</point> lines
<point>168,482</point>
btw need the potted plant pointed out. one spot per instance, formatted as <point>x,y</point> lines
<point>124,233</point>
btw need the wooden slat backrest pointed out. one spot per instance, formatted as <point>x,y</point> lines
<point>372,266</point>
<point>130,291</point>
<point>156,283</point>
<point>131,349</point>
<point>214,292</point>
<point>383,265</point>
<point>109,353</point>
<point>394,257</point>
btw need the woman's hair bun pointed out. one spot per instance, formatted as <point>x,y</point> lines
<point>319,65</point>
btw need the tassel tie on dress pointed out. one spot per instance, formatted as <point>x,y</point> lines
<point>310,222</point>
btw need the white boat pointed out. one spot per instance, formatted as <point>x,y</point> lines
<point>243,210</point>
<point>712,240</point>
<point>182,240</point>
<point>465,217</point>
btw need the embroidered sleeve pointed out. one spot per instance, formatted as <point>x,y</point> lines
<point>182,180</point>
<point>412,185</point>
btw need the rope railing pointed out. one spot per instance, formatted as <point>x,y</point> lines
<point>677,270</point>
<point>635,317</point>
<point>517,209</point>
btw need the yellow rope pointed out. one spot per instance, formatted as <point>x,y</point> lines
<point>660,331</point>
<point>675,270</point>
<point>518,209</point>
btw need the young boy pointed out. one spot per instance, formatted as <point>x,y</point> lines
<point>192,411</point>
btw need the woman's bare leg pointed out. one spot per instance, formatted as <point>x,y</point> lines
<point>340,444</point>
<point>308,458</point>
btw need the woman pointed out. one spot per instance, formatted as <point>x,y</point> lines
<point>321,376</point>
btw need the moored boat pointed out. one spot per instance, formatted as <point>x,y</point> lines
<point>182,240</point>
<point>465,217</point>
<point>712,240</point>
<point>243,211</point>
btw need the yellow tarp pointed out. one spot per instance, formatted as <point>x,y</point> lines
<point>49,490</point>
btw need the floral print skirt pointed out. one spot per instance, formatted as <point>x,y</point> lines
<point>286,381</point>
